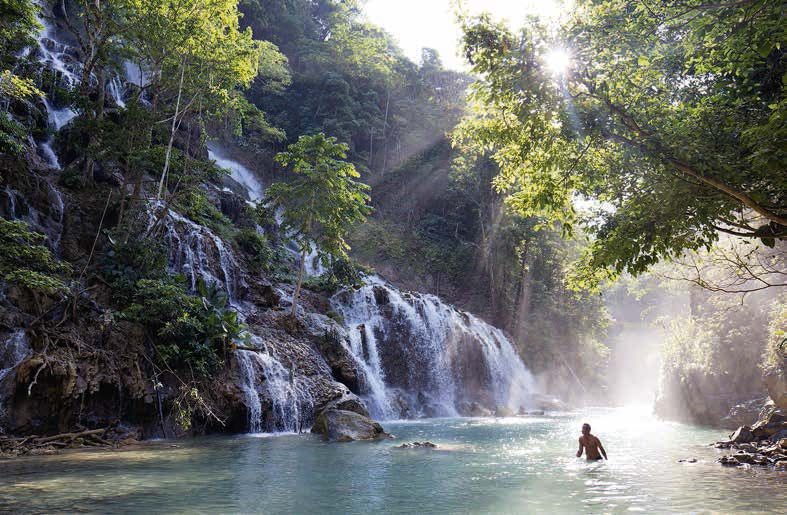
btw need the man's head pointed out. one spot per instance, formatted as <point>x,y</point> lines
<point>585,428</point>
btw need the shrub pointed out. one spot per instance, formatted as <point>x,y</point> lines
<point>190,331</point>
<point>26,262</point>
<point>262,256</point>
<point>127,263</point>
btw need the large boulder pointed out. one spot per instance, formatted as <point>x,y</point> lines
<point>771,424</point>
<point>348,402</point>
<point>744,412</point>
<point>742,435</point>
<point>337,425</point>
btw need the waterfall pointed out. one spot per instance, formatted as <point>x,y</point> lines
<point>286,391</point>
<point>13,350</point>
<point>63,60</point>
<point>238,172</point>
<point>49,223</point>
<point>421,356</point>
<point>115,89</point>
<point>198,253</point>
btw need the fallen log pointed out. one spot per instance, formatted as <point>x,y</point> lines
<point>70,436</point>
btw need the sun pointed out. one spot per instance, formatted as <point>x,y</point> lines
<point>558,61</point>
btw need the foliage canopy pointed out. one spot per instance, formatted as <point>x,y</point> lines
<point>671,117</point>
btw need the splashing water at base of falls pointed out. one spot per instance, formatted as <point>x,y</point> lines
<point>420,356</point>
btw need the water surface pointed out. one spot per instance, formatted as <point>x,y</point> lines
<point>516,465</point>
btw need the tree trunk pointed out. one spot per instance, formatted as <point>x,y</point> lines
<point>385,136</point>
<point>172,132</point>
<point>300,282</point>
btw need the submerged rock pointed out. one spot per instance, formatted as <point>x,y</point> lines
<point>337,425</point>
<point>729,461</point>
<point>416,445</point>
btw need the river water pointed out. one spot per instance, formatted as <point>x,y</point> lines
<point>511,465</point>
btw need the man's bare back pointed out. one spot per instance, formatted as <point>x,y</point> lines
<point>591,445</point>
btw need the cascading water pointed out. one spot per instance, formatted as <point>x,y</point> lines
<point>49,223</point>
<point>421,356</point>
<point>57,57</point>
<point>288,393</point>
<point>267,385</point>
<point>198,253</point>
<point>238,172</point>
<point>415,354</point>
<point>63,60</point>
<point>13,350</point>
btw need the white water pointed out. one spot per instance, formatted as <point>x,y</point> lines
<point>13,350</point>
<point>198,253</point>
<point>59,57</point>
<point>49,224</point>
<point>239,173</point>
<point>291,403</point>
<point>115,89</point>
<point>439,346</point>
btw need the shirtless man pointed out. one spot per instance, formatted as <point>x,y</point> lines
<point>590,444</point>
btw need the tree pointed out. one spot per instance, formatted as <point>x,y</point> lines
<point>193,54</point>
<point>322,201</point>
<point>672,117</point>
<point>18,23</point>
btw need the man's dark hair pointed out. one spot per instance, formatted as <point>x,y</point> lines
<point>586,424</point>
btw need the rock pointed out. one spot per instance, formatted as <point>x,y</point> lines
<point>474,409</point>
<point>729,461</point>
<point>546,403</point>
<point>744,434</point>
<point>742,413</point>
<point>504,411</point>
<point>337,425</point>
<point>783,443</point>
<point>773,423</point>
<point>689,460</point>
<point>415,445</point>
<point>348,402</point>
<point>745,457</point>
<point>781,465</point>
<point>779,435</point>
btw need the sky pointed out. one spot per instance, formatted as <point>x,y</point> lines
<point>431,23</point>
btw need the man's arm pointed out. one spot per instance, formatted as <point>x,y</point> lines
<point>579,452</point>
<point>601,448</point>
